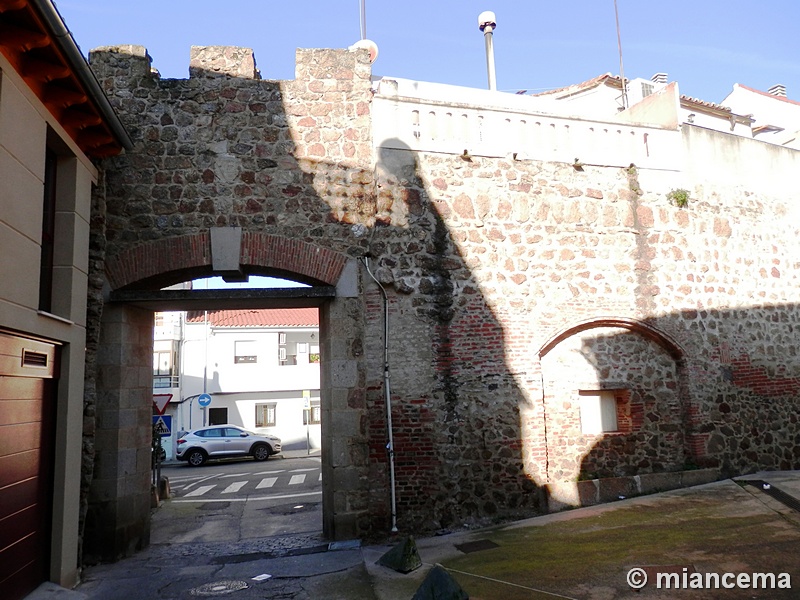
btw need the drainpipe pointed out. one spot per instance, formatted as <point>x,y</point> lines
<point>387,393</point>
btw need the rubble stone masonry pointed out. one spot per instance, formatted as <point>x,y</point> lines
<point>515,287</point>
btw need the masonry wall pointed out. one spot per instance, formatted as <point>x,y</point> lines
<point>512,285</point>
<point>594,243</point>
<point>287,163</point>
<point>118,513</point>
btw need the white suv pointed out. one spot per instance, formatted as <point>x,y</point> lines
<point>225,441</point>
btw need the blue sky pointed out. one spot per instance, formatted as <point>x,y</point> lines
<point>705,45</point>
<point>216,283</point>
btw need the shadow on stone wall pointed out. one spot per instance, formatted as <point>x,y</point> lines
<point>729,404</point>
<point>737,390</point>
<point>473,440</point>
<point>458,437</point>
<point>276,157</point>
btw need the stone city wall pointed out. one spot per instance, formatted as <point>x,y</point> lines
<point>512,286</point>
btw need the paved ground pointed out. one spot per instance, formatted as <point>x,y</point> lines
<point>583,554</point>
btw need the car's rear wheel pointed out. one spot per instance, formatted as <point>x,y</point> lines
<point>195,458</point>
<point>262,452</point>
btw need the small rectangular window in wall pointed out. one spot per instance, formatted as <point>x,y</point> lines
<point>311,416</point>
<point>598,411</point>
<point>245,352</point>
<point>266,414</point>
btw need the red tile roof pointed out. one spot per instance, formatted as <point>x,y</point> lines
<point>781,98</point>
<point>613,80</point>
<point>616,81</point>
<point>262,317</point>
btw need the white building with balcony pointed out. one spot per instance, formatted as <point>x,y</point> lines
<point>260,368</point>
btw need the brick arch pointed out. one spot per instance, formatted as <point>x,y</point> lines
<point>155,260</point>
<point>643,329</point>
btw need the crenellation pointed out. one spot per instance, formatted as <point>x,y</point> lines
<point>222,61</point>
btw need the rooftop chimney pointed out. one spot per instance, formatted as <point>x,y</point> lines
<point>659,78</point>
<point>778,90</point>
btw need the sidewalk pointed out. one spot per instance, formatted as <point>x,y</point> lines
<point>583,554</point>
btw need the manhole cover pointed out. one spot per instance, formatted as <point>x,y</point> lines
<point>218,588</point>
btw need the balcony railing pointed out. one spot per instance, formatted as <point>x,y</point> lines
<point>166,381</point>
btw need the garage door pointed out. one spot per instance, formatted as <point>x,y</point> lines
<point>27,411</point>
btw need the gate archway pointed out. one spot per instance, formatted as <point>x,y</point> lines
<point>119,499</point>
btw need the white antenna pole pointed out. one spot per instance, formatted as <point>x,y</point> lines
<point>363,6</point>
<point>621,69</point>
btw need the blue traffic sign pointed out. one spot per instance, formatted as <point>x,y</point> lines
<point>162,425</point>
<point>204,400</point>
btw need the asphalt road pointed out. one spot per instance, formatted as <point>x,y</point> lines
<point>246,480</point>
<point>239,499</point>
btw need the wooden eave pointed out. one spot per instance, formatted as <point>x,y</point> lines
<point>716,110</point>
<point>27,43</point>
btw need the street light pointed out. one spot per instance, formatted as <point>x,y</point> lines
<point>488,23</point>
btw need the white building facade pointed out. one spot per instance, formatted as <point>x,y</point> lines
<point>260,369</point>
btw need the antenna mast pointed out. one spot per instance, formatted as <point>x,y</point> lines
<point>621,68</point>
<point>364,43</point>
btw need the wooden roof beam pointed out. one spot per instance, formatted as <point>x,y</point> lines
<point>61,97</point>
<point>94,137</point>
<point>7,5</point>
<point>76,118</point>
<point>43,70</point>
<point>22,38</point>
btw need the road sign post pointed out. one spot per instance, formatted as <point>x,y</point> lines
<point>204,400</point>
<point>307,402</point>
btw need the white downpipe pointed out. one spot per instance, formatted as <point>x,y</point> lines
<point>387,394</point>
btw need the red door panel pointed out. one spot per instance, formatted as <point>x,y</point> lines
<point>27,415</point>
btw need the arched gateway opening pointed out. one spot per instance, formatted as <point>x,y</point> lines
<point>119,500</point>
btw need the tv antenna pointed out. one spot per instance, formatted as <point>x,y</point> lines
<point>621,68</point>
<point>365,43</point>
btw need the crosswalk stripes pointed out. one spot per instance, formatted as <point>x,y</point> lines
<point>234,487</point>
<point>200,491</point>
<point>297,477</point>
